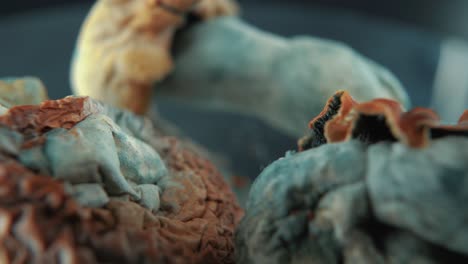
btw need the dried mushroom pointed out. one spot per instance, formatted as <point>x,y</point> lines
<point>223,64</point>
<point>88,183</point>
<point>372,184</point>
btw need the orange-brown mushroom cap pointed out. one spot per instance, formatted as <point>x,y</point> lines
<point>378,120</point>
<point>332,119</point>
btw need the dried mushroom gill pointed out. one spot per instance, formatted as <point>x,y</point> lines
<point>378,120</point>
<point>87,183</point>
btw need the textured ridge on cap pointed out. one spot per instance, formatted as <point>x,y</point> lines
<point>42,224</point>
<point>34,120</point>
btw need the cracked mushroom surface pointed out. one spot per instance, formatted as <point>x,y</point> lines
<point>124,47</point>
<point>371,184</point>
<point>109,187</point>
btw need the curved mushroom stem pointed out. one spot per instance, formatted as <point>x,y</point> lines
<point>124,47</point>
<point>226,64</point>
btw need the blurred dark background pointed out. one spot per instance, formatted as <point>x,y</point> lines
<point>403,35</point>
<point>429,13</point>
<point>443,16</point>
<point>421,41</point>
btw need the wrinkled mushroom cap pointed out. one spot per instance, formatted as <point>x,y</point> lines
<point>86,183</point>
